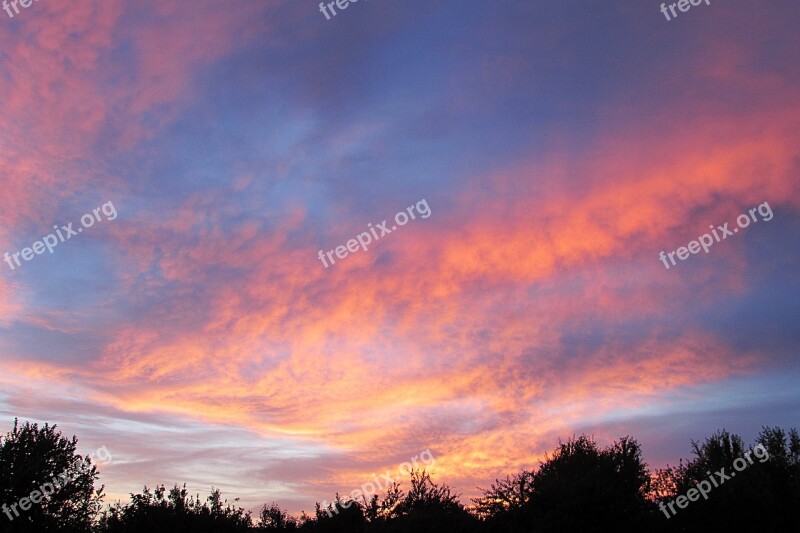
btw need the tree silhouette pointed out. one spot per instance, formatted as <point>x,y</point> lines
<point>273,518</point>
<point>380,511</point>
<point>178,512</point>
<point>506,498</point>
<point>341,516</point>
<point>40,469</point>
<point>430,507</point>
<point>761,494</point>
<point>578,487</point>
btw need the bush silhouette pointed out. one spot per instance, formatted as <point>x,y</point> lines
<point>178,512</point>
<point>273,518</point>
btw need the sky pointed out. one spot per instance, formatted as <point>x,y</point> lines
<point>209,325</point>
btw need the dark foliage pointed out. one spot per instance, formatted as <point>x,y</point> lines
<point>33,457</point>
<point>273,518</point>
<point>150,511</point>
<point>579,487</point>
<point>763,496</point>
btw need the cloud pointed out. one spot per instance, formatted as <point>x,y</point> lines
<point>530,304</point>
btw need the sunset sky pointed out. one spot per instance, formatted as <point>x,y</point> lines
<point>560,146</point>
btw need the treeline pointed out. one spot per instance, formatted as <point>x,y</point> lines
<point>724,486</point>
